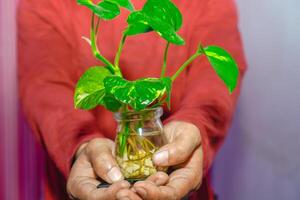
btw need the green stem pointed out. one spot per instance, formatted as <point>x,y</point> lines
<point>95,49</point>
<point>189,61</point>
<point>125,132</point>
<point>163,70</point>
<point>97,27</point>
<point>118,55</point>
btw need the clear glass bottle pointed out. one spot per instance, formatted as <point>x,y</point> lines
<point>139,135</point>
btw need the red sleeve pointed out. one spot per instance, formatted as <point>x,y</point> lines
<point>47,77</point>
<point>206,101</point>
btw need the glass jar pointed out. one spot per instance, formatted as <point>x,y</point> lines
<point>139,136</point>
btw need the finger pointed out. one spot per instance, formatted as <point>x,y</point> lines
<point>147,190</point>
<point>159,178</point>
<point>183,180</point>
<point>86,188</point>
<point>81,187</point>
<point>110,192</point>
<point>187,138</point>
<point>82,179</point>
<point>103,161</point>
<point>180,182</point>
<point>126,194</point>
<point>82,183</point>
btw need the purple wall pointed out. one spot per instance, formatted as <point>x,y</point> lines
<point>1,138</point>
<point>31,166</point>
<point>260,159</point>
<point>8,115</point>
<point>20,157</point>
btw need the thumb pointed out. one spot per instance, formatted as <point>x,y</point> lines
<point>185,139</point>
<point>103,161</point>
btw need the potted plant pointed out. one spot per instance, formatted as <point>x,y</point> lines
<point>137,104</point>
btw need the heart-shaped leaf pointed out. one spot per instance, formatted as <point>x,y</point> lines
<point>165,11</point>
<point>137,23</point>
<point>123,3</point>
<point>224,65</point>
<point>165,31</point>
<point>90,90</point>
<point>162,16</point>
<point>138,94</point>
<point>105,9</point>
<point>111,103</point>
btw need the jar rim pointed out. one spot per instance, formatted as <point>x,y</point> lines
<point>158,111</point>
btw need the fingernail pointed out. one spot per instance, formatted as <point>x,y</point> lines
<point>141,192</point>
<point>161,158</point>
<point>114,174</point>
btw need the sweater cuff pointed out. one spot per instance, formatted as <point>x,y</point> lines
<point>197,120</point>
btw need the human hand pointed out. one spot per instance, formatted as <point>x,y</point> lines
<point>95,159</point>
<point>185,153</point>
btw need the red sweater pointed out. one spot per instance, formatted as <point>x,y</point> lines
<point>52,56</point>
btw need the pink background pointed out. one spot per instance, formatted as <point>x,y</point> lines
<point>9,110</point>
<point>260,158</point>
<point>20,157</point>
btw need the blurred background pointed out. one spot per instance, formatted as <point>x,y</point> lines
<point>260,157</point>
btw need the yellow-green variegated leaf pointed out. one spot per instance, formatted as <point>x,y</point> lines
<point>161,16</point>
<point>106,10</point>
<point>224,65</point>
<point>90,90</point>
<point>138,94</point>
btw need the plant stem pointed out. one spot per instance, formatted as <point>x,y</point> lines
<point>118,55</point>
<point>163,70</point>
<point>95,49</point>
<point>186,63</point>
<point>97,27</point>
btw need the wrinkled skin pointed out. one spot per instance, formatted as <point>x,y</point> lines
<point>95,159</point>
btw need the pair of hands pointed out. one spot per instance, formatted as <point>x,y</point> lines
<point>95,159</point>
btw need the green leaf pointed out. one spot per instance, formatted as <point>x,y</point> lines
<point>135,17</point>
<point>111,103</point>
<point>165,18</point>
<point>138,94</point>
<point>224,65</point>
<point>137,24</point>
<point>90,89</point>
<point>164,11</point>
<point>138,28</point>
<point>167,81</point>
<point>105,10</point>
<point>123,3</point>
<point>109,10</point>
<point>165,31</point>
<point>162,16</point>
